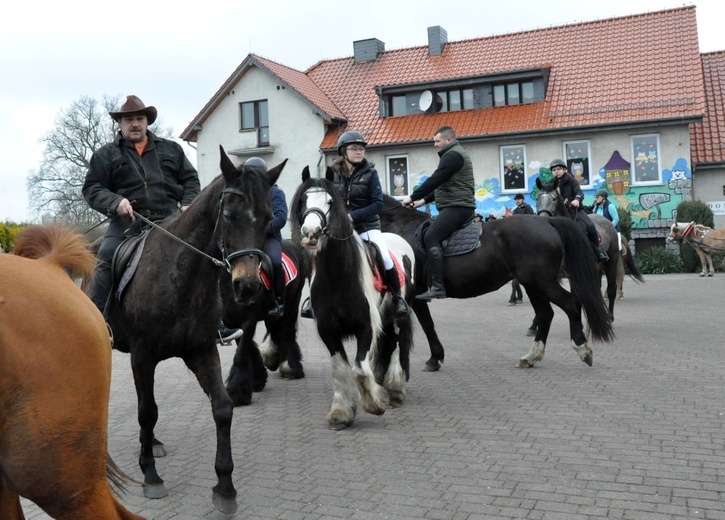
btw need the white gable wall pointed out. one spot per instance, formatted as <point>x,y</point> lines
<point>295,132</point>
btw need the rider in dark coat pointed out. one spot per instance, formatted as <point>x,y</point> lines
<point>138,172</point>
<point>570,190</point>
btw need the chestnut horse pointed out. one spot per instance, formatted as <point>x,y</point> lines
<point>703,239</point>
<point>55,381</point>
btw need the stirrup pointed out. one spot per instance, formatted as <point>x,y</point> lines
<point>401,308</point>
<point>306,311</point>
<point>277,310</point>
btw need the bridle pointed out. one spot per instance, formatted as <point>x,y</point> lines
<point>227,258</point>
<point>323,216</point>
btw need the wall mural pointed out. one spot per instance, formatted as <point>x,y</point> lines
<point>650,206</point>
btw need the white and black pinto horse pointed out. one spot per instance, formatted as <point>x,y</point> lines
<point>705,240</point>
<point>347,304</point>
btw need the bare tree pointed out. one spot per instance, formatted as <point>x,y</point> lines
<point>54,189</point>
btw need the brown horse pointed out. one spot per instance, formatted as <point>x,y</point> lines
<point>55,377</point>
<point>703,239</point>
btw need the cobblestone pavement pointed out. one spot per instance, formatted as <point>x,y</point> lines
<point>638,436</point>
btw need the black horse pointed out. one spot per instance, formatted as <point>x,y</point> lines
<point>172,307</point>
<point>246,290</point>
<point>522,247</point>
<point>347,304</point>
<point>549,203</point>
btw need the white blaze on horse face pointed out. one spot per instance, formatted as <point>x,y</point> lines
<point>319,200</point>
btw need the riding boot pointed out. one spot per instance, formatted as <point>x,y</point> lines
<point>277,310</point>
<point>436,274</point>
<point>393,282</point>
<point>601,255</point>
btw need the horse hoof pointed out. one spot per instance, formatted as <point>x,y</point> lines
<point>227,506</point>
<point>292,373</point>
<point>159,450</point>
<point>337,426</point>
<point>154,491</point>
<point>523,363</point>
<point>710,275</point>
<point>240,398</point>
<point>432,365</point>
<point>531,332</point>
<point>396,399</point>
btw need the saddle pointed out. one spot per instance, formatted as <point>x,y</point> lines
<point>462,241</point>
<point>125,261</point>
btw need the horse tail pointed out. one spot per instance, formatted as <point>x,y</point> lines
<point>634,271</point>
<point>584,277</point>
<point>117,478</point>
<point>58,245</point>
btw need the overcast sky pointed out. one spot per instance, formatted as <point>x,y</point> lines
<point>176,58</point>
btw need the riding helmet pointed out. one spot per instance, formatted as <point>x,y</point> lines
<point>256,162</point>
<point>557,162</point>
<point>348,138</point>
<point>602,192</point>
<point>519,196</point>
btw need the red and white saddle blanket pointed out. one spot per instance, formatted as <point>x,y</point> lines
<point>290,272</point>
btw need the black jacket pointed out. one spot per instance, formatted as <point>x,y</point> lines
<point>569,188</point>
<point>156,184</point>
<point>362,194</point>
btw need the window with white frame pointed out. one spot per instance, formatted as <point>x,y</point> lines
<point>254,116</point>
<point>645,159</point>
<point>513,168</point>
<point>398,180</point>
<point>578,157</point>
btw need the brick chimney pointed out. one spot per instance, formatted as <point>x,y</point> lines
<point>368,50</point>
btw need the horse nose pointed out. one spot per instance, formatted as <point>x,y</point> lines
<point>244,289</point>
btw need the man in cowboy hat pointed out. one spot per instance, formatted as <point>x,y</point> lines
<point>137,172</point>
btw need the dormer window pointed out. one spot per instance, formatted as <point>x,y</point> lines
<point>511,88</point>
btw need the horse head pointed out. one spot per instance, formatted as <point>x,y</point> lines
<point>547,200</point>
<point>318,210</point>
<point>245,211</point>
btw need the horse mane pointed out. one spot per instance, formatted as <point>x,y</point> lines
<point>58,245</point>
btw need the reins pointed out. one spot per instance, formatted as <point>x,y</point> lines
<point>216,262</point>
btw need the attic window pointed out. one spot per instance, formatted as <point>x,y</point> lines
<point>513,93</point>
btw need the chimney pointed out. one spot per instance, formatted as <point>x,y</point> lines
<point>437,39</point>
<point>368,50</point>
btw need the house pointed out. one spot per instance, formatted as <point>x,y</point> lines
<point>708,139</point>
<point>615,98</point>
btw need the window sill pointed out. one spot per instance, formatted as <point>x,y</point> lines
<point>244,152</point>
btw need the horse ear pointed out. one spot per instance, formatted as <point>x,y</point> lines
<point>305,173</point>
<point>330,174</point>
<point>226,165</point>
<point>274,173</point>
<point>538,183</point>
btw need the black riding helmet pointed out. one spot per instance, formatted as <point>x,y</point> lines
<point>557,162</point>
<point>603,193</point>
<point>348,138</point>
<point>256,162</point>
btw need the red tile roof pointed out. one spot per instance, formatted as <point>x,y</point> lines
<point>708,137</point>
<point>637,68</point>
<point>623,70</point>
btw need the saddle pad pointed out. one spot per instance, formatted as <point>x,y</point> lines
<point>463,240</point>
<point>378,281</point>
<point>290,272</point>
<point>130,269</point>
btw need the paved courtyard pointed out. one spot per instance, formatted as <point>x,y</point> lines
<point>638,436</point>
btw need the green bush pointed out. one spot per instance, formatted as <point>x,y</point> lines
<point>658,260</point>
<point>8,232</point>
<point>693,211</point>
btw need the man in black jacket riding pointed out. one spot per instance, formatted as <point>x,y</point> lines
<point>139,172</point>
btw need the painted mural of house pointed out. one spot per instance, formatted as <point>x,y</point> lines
<point>616,98</point>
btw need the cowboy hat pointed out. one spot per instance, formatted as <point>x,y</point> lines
<point>134,105</point>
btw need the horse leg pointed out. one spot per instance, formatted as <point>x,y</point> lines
<point>422,312</point>
<point>247,373</point>
<point>343,408</point>
<point>711,268</point>
<point>148,414</point>
<point>568,303</point>
<point>620,278</point>
<point>703,261</point>
<point>611,269</point>
<point>283,340</point>
<point>373,397</point>
<point>399,366</point>
<point>206,367</point>
<point>542,324</point>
